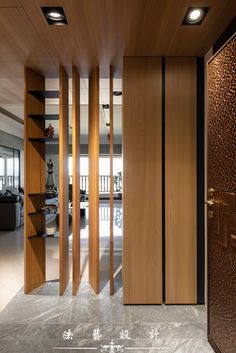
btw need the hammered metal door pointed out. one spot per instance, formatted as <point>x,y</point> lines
<point>221,203</point>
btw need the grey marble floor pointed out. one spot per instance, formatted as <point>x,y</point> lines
<point>36,323</point>
<point>12,253</point>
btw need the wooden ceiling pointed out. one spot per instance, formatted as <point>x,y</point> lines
<point>101,32</point>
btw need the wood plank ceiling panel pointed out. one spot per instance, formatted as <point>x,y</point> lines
<point>10,3</point>
<point>19,40</point>
<point>103,31</point>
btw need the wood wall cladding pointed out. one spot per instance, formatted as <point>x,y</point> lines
<point>142,180</point>
<point>180,171</point>
<point>94,268</point>
<point>111,188</point>
<point>34,176</point>
<point>76,178</point>
<point>63,180</point>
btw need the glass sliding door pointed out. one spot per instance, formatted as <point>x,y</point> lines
<point>16,169</point>
<point>2,172</point>
<point>9,168</point>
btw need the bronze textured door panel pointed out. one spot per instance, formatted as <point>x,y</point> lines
<point>222,200</point>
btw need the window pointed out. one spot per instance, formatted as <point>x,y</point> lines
<point>104,172</point>
<point>9,168</point>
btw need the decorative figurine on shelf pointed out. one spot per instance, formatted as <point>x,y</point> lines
<point>50,184</point>
<point>49,131</point>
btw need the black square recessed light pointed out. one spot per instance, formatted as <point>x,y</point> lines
<point>54,15</point>
<point>195,15</point>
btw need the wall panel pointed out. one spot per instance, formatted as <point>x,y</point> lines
<point>180,171</point>
<point>142,181</point>
<point>94,270</point>
<point>111,188</point>
<point>76,179</point>
<point>63,180</point>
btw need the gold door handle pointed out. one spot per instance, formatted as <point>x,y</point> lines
<point>210,202</point>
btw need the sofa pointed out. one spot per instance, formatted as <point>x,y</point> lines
<point>11,209</point>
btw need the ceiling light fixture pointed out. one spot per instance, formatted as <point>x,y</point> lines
<point>195,15</point>
<point>54,15</point>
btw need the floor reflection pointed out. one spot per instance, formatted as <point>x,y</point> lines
<point>12,253</point>
<point>104,232</point>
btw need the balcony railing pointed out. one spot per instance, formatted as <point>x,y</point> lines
<point>104,183</point>
<point>9,181</point>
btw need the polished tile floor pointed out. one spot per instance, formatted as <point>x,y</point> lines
<point>44,322</point>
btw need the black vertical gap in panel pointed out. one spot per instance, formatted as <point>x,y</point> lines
<point>163,187</point>
<point>200,184</point>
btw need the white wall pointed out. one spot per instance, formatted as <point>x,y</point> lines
<point>11,126</point>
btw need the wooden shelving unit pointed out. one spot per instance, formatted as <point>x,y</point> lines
<point>43,117</point>
<point>43,139</point>
<point>38,212</point>
<point>42,94</point>
<point>42,236</point>
<point>35,117</point>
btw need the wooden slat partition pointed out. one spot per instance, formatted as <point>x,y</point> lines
<point>76,178</point>
<point>94,268</point>
<point>34,182</point>
<point>142,181</point>
<point>180,164</point>
<point>111,188</point>
<point>63,180</point>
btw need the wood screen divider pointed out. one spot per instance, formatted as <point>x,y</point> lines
<point>76,179</point>
<point>94,268</point>
<point>34,182</point>
<point>111,188</point>
<point>63,181</point>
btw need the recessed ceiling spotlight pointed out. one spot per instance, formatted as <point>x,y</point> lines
<point>54,15</point>
<point>195,15</point>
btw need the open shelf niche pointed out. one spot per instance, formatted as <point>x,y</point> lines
<point>34,214</point>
